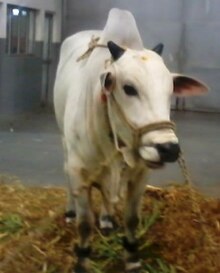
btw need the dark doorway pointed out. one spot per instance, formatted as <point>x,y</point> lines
<point>47,43</point>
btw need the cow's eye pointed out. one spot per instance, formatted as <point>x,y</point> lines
<point>130,90</point>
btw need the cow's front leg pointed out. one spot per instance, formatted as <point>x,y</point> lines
<point>135,191</point>
<point>109,190</point>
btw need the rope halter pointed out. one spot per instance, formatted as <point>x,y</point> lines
<point>137,133</point>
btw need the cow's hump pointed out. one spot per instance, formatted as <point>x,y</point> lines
<point>121,28</point>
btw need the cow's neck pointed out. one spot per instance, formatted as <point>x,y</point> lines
<point>112,132</point>
<point>98,118</point>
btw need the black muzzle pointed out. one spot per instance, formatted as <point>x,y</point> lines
<point>169,152</point>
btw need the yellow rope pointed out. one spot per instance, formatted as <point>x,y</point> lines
<point>213,246</point>
<point>92,44</point>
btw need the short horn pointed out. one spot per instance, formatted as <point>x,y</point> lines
<point>115,50</point>
<point>158,48</point>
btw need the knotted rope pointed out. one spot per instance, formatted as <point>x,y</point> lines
<point>92,44</point>
<point>195,207</point>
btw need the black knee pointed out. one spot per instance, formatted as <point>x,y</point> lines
<point>84,229</point>
<point>132,223</point>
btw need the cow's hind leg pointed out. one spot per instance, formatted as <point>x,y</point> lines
<point>135,190</point>
<point>85,224</point>
<point>70,213</point>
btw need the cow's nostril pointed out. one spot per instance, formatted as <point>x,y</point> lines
<point>169,152</point>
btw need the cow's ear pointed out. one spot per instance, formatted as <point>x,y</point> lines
<point>115,50</point>
<point>184,86</point>
<point>107,82</point>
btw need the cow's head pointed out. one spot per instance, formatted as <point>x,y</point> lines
<point>143,87</point>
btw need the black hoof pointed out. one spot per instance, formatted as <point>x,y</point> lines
<point>106,231</point>
<point>80,269</point>
<point>133,266</point>
<point>135,270</point>
<point>83,259</point>
<point>69,216</point>
<point>107,225</point>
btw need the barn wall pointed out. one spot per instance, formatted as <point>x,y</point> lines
<point>21,82</point>
<point>189,29</point>
<point>201,49</point>
<point>155,20</point>
<point>21,75</point>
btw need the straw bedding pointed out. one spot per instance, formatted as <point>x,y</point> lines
<point>34,237</point>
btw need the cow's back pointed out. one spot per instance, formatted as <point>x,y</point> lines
<point>68,70</point>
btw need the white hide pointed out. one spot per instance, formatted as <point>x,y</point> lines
<point>81,114</point>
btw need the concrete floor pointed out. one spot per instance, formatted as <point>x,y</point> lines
<point>31,149</point>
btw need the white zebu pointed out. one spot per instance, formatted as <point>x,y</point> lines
<point>114,99</point>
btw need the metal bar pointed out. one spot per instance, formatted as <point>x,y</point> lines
<point>63,18</point>
<point>9,29</point>
<point>18,33</point>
